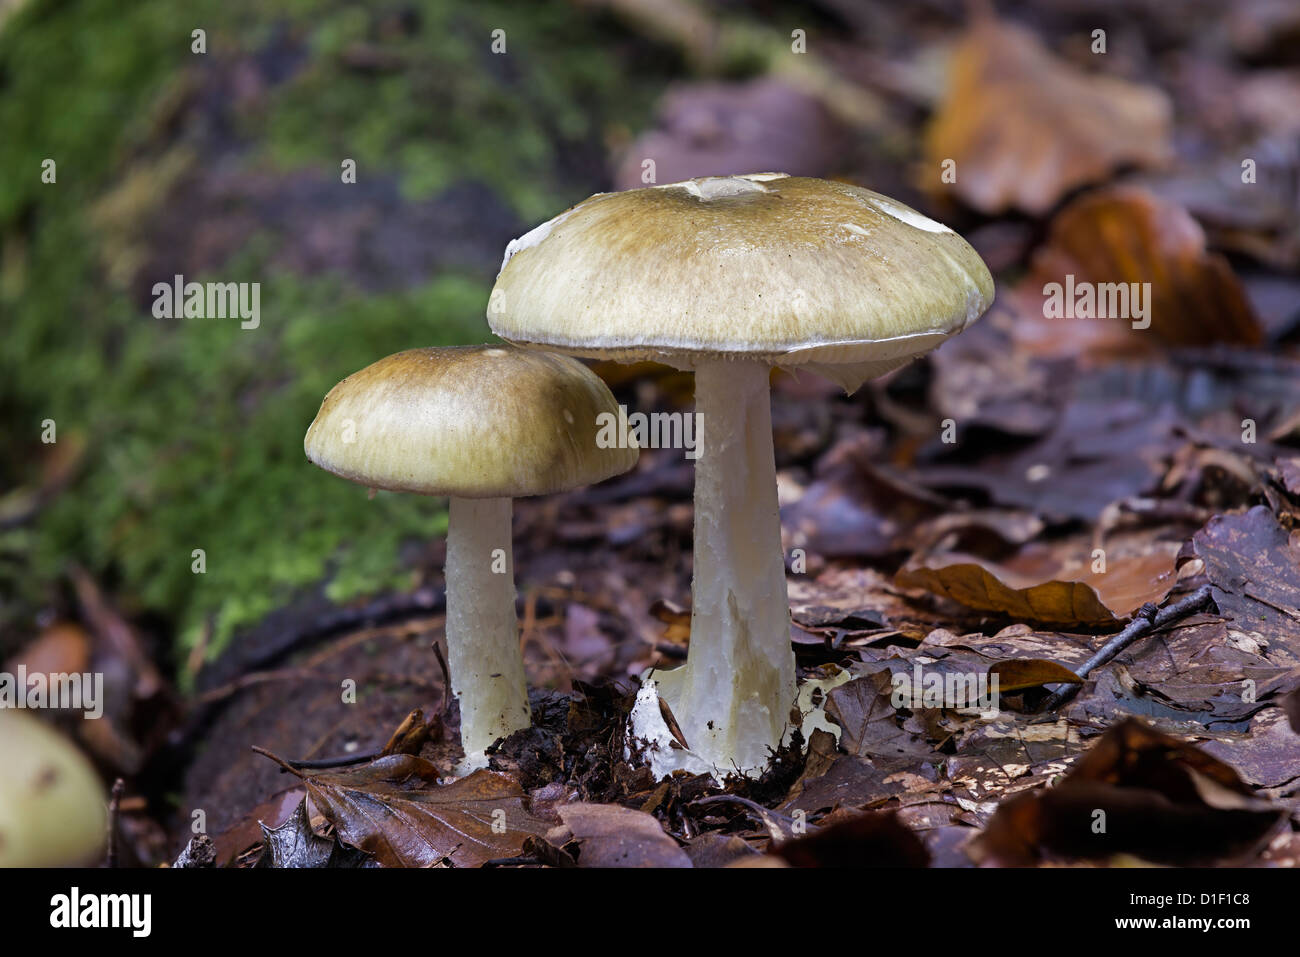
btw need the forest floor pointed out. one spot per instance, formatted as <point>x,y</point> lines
<point>1003,507</point>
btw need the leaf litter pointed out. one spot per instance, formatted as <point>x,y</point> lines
<point>1097,471</point>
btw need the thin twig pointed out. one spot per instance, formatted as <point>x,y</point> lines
<point>1147,619</point>
<point>278,760</point>
<point>772,820</point>
<point>446,681</point>
<point>317,764</point>
<point>114,814</point>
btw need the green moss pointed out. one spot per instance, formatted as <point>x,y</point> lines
<point>453,109</point>
<point>193,428</point>
<point>71,80</point>
<point>193,453</point>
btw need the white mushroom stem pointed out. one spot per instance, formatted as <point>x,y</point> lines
<point>732,699</point>
<point>487,667</point>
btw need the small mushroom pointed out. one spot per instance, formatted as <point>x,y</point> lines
<point>482,425</point>
<point>730,276</point>
<point>52,809</point>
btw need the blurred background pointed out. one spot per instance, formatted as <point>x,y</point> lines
<point>1118,141</point>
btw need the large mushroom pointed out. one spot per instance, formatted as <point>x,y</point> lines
<point>482,425</point>
<point>730,276</point>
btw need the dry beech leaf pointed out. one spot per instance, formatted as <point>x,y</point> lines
<point>1110,239</point>
<point>394,809</point>
<point>1017,674</point>
<point>1025,128</point>
<point>1030,586</point>
<point>609,835</point>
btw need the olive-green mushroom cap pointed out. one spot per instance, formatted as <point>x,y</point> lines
<point>789,270</point>
<point>471,421</point>
<point>52,808</point>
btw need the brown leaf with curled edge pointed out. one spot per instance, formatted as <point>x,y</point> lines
<point>1033,585</point>
<point>868,719</point>
<point>1025,128</point>
<point>1107,241</point>
<point>610,835</point>
<point>394,809</point>
<point>1017,674</point>
<point>1159,798</point>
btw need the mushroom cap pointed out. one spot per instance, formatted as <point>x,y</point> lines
<point>483,421</point>
<point>788,270</point>
<point>52,810</point>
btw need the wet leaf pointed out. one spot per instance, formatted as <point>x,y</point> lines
<point>394,809</point>
<point>200,852</point>
<point>236,840</point>
<point>294,844</point>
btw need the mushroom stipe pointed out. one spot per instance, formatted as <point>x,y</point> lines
<point>481,425</point>
<point>730,276</point>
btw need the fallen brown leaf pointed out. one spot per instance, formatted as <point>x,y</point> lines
<point>1031,587</point>
<point>1124,235</point>
<point>1021,673</point>
<point>394,809</point>
<point>1140,792</point>
<point>1025,128</point>
<point>1254,565</point>
<point>609,835</point>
